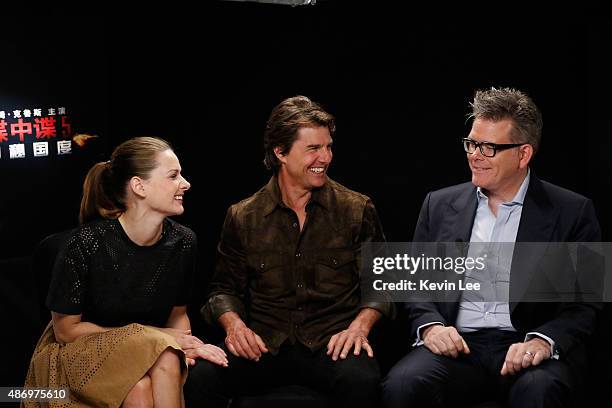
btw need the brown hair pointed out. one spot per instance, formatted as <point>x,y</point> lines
<point>507,103</point>
<point>286,119</point>
<point>104,188</point>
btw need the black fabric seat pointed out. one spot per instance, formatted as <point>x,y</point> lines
<point>43,260</point>
<point>294,396</point>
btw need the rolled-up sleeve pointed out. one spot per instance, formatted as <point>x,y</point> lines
<point>372,231</point>
<point>228,286</point>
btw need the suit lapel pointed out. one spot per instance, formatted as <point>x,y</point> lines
<point>465,211</point>
<point>538,220</point>
<point>460,231</point>
<point>539,215</point>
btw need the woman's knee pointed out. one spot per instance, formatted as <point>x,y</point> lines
<point>141,394</point>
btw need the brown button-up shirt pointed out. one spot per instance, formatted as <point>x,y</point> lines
<point>290,284</point>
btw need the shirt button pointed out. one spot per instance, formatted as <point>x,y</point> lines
<point>295,225</point>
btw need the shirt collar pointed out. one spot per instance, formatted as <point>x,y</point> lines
<point>321,196</point>
<point>519,197</point>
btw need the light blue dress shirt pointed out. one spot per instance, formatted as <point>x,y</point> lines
<point>474,312</point>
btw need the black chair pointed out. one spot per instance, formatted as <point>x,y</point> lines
<point>294,396</point>
<point>43,260</point>
<point>20,320</point>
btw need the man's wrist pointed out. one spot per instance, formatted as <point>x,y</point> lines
<point>542,343</point>
<point>429,328</point>
<point>366,319</point>
<point>361,325</point>
<point>230,320</point>
<point>426,331</point>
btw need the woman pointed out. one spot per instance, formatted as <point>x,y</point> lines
<point>120,335</point>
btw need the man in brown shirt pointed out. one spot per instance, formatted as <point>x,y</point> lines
<point>286,288</point>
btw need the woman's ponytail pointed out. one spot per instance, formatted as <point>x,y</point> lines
<point>96,201</point>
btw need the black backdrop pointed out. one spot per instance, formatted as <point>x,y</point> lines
<point>398,80</point>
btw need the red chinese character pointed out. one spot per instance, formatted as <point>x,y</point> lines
<point>3,132</point>
<point>21,129</point>
<point>66,128</point>
<point>45,127</point>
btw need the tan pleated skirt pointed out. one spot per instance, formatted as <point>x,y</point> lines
<point>98,369</point>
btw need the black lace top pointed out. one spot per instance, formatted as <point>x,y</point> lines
<point>112,281</point>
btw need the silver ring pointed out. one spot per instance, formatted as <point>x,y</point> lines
<point>529,353</point>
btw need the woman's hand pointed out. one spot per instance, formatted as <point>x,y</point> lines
<point>208,352</point>
<point>178,326</point>
<point>183,338</point>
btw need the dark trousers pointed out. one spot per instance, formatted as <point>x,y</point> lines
<point>352,382</point>
<point>424,379</point>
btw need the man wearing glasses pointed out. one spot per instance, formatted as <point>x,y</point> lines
<point>523,354</point>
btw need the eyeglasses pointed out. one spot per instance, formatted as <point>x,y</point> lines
<point>487,149</point>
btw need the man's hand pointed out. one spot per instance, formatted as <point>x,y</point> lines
<point>240,340</point>
<point>208,352</point>
<point>444,341</point>
<point>523,355</point>
<point>355,337</point>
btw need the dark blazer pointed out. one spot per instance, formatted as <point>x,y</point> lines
<point>550,214</point>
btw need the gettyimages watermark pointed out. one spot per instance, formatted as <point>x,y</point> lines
<point>487,272</point>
